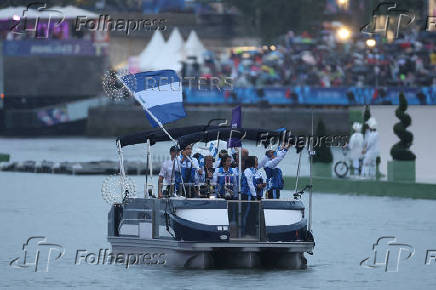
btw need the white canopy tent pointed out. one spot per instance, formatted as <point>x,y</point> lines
<point>159,54</point>
<point>194,47</point>
<point>8,13</point>
<point>151,51</point>
<point>172,54</point>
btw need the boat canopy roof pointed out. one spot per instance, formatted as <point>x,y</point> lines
<point>157,135</point>
<point>203,133</point>
<point>253,134</point>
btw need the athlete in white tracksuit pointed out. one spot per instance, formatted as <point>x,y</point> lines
<point>355,147</point>
<point>371,150</point>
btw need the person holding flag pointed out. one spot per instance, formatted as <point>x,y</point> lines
<point>189,170</point>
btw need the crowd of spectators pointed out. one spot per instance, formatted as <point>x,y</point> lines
<point>319,61</point>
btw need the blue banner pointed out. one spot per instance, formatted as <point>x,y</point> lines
<point>312,96</point>
<point>48,47</point>
<point>236,123</point>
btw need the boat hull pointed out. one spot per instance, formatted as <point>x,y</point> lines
<point>203,233</point>
<point>196,255</point>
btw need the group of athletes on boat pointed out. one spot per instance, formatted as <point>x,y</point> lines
<point>196,175</point>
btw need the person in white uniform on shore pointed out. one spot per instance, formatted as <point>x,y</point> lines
<point>371,150</point>
<point>355,147</point>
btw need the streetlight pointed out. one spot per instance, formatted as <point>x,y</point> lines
<point>371,42</point>
<point>343,4</point>
<point>343,34</point>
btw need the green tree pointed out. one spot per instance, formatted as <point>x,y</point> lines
<point>400,151</point>
<point>323,153</point>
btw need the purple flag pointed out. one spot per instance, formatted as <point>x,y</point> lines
<point>236,123</point>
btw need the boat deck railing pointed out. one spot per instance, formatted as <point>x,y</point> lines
<point>246,222</point>
<point>297,246</point>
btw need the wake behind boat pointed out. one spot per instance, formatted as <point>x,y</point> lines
<point>191,225</point>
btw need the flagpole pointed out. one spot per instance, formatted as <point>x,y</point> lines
<point>240,171</point>
<point>148,112</point>
<point>159,123</point>
<point>146,167</point>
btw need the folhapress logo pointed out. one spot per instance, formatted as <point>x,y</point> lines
<point>388,17</point>
<point>38,254</point>
<point>388,253</point>
<point>29,21</point>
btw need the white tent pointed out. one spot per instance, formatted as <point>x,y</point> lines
<point>172,54</point>
<point>194,47</point>
<point>13,12</point>
<point>151,51</point>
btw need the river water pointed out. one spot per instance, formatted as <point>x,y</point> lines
<point>69,211</point>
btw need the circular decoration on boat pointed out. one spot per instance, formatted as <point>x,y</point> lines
<point>114,84</point>
<point>116,189</point>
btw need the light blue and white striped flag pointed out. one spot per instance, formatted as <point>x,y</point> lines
<point>160,93</point>
<point>213,149</point>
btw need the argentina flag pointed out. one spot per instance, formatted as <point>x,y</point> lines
<point>159,93</point>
